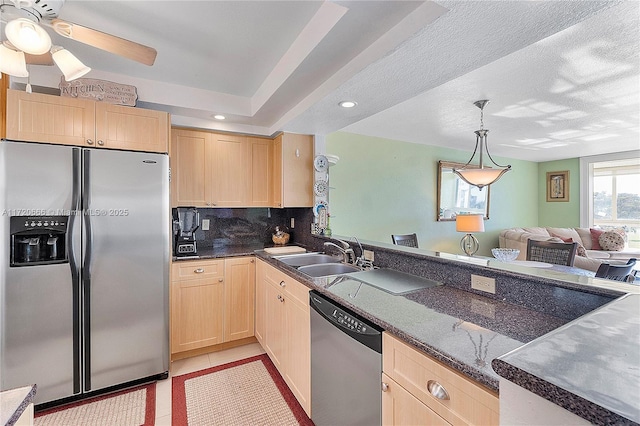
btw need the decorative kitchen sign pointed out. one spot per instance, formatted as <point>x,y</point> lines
<point>99,90</point>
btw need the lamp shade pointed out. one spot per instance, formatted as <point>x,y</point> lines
<point>70,66</point>
<point>12,62</point>
<point>470,223</point>
<point>28,36</point>
<point>480,177</point>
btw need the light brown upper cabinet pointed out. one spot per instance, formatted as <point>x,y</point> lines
<point>189,158</point>
<point>231,171</point>
<point>293,171</point>
<point>53,119</point>
<point>220,170</point>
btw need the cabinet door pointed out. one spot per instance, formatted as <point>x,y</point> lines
<point>239,295</point>
<point>231,171</point>
<point>53,119</point>
<point>261,172</point>
<point>293,170</point>
<point>261,300</point>
<point>298,367</point>
<point>274,320</point>
<point>196,317</point>
<point>189,165</point>
<point>129,128</point>
<point>400,408</point>
<point>277,173</point>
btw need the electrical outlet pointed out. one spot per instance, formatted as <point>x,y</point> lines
<point>205,224</point>
<point>483,283</point>
<point>368,255</point>
<point>293,223</point>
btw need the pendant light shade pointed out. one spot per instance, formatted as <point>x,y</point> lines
<point>28,36</point>
<point>480,175</point>
<point>12,62</point>
<point>70,66</point>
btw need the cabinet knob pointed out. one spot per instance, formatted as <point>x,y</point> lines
<point>385,387</point>
<point>437,390</point>
<point>252,261</point>
<point>199,271</point>
<point>282,284</point>
<point>89,141</point>
<point>100,142</point>
<point>220,280</point>
<point>280,298</point>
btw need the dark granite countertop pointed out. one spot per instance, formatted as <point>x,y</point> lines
<point>13,402</point>
<point>463,330</point>
<point>573,366</point>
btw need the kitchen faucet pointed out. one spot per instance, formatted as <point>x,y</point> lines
<point>346,250</point>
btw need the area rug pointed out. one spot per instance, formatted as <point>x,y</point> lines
<point>245,392</point>
<point>130,407</point>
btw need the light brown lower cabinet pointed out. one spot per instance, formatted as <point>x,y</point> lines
<point>212,302</point>
<point>409,374</point>
<point>283,328</point>
<point>399,407</point>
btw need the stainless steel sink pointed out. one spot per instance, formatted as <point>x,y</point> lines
<point>297,260</point>
<point>327,269</point>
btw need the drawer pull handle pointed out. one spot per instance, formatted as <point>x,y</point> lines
<point>282,284</point>
<point>385,387</point>
<point>199,271</point>
<point>437,390</point>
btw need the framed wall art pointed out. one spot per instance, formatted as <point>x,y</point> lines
<point>558,186</point>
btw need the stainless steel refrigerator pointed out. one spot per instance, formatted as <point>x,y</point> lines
<point>84,268</point>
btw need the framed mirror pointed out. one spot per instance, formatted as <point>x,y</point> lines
<point>456,196</point>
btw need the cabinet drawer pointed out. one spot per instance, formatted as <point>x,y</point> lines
<point>400,408</point>
<point>193,270</point>
<point>290,286</point>
<point>468,403</point>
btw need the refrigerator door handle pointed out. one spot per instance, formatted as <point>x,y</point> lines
<point>86,267</point>
<point>73,264</point>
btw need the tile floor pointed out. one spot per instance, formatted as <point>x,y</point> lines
<point>189,365</point>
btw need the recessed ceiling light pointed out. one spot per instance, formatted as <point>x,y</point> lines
<point>348,104</point>
<point>219,117</point>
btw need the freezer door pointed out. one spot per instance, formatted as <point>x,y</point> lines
<point>126,266</point>
<point>38,304</point>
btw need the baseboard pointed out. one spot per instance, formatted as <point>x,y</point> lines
<point>214,348</point>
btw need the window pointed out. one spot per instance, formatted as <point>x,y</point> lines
<point>610,194</point>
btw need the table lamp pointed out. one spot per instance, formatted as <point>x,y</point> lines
<point>469,223</point>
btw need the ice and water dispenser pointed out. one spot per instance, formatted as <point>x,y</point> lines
<point>38,240</point>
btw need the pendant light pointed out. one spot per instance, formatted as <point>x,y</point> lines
<point>480,175</point>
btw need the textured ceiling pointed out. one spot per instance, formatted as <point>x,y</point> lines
<point>561,75</point>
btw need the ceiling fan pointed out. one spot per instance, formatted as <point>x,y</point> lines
<point>24,20</point>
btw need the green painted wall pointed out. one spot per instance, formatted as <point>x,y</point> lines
<point>559,214</point>
<point>382,186</point>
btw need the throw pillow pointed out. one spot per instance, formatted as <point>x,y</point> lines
<point>566,240</point>
<point>611,241</point>
<point>595,238</point>
<point>580,250</point>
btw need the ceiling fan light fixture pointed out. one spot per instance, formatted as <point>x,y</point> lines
<point>28,36</point>
<point>480,175</point>
<point>12,62</point>
<point>70,66</point>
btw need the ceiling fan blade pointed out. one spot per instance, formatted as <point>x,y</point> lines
<point>110,43</point>
<point>44,59</point>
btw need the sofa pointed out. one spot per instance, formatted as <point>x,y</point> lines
<point>590,253</point>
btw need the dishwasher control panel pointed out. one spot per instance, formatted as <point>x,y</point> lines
<point>348,321</point>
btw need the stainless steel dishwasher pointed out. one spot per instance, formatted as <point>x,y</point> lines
<point>346,366</point>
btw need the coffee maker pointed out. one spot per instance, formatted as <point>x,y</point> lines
<point>186,220</point>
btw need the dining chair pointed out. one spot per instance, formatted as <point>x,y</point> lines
<point>550,252</point>
<point>407,240</point>
<point>617,272</point>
